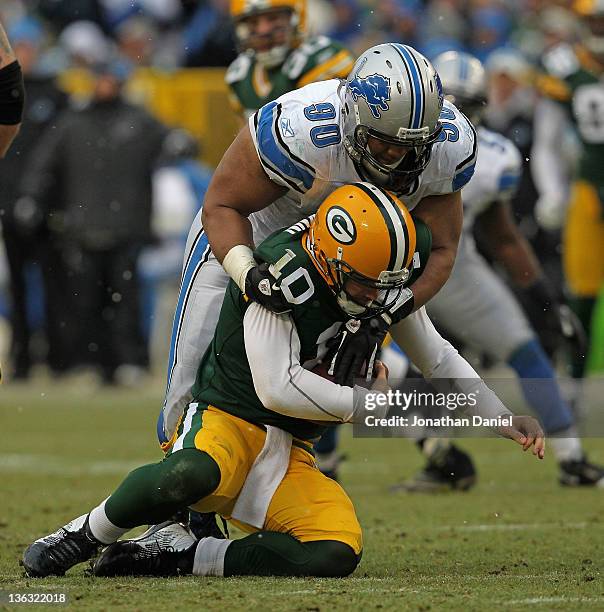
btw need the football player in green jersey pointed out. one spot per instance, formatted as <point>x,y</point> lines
<point>574,96</point>
<point>275,57</point>
<point>244,446</point>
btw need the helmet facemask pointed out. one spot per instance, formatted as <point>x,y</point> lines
<point>389,286</point>
<point>398,178</point>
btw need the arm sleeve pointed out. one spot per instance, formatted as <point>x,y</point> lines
<point>443,366</point>
<point>281,383</point>
<point>549,171</point>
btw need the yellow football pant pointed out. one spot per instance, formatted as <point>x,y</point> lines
<point>307,505</point>
<point>583,253</point>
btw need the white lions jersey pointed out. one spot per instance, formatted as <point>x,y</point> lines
<point>497,175</point>
<point>299,141</point>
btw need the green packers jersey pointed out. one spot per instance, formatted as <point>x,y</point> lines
<point>574,80</point>
<point>224,379</point>
<point>317,59</point>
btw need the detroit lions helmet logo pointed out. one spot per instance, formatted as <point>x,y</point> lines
<point>374,89</point>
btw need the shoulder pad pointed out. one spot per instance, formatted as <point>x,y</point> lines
<point>238,69</point>
<point>454,154</point>
<point>553,87</point>
<point>293,134</point>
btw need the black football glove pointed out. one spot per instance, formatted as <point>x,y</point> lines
<point>353,350</point>
<point>553,320</point>
<point>261,287</point>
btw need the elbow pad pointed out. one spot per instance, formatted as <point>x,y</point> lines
<point>12,94</point>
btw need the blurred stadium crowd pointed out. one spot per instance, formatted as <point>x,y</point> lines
<point>85,292</point>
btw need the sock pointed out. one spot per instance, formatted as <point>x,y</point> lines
<point>540,387</point>
<point>566,445</point>
<point>102,528</point>
<point>209,557</point>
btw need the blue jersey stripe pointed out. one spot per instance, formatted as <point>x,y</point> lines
<point>508,182</point>
<point>463,177</point>
<point>417,85</point>
<point>199,255</point>
<point>271,150</point>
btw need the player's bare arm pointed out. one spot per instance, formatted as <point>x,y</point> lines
<point>239,187</point>
<point>7,54</point>
<point>508,246</point>
<point>444,215</point>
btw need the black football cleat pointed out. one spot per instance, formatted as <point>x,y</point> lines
<point>54,554</point>
<point>581,473</point>
<point>450,470</point>
<point>203,525</point>
<point>166,549</point>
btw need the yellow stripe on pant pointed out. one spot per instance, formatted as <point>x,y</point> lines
<point>583,252</point>
<point>307,505</point>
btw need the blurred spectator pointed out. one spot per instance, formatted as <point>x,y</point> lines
<point>62,13</point>
<point>346,28</point>
<point>136,38</point>
<point>179,186</point>
<point>490,27</point>
<point>208,37</point>
<point>99,160</point>
<point>85,44</point>
<point>36,273</point>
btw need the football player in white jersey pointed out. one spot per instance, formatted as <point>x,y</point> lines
<point>478,308</point>
<point>385,124</point>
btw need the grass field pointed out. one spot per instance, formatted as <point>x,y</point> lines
<point>517,540</point>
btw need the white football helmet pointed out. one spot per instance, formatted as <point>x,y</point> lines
<point>392,94</point>
<point>464,82</point>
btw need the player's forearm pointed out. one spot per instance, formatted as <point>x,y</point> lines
<point>7,56</point>
<point>519,262</point>
<point>440,363</point>
<point>280,381</point>
<point>226,228</point>
<point>7,135</point>
<point>435,275</point>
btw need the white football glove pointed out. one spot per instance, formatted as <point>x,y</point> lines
<point>550,211</point>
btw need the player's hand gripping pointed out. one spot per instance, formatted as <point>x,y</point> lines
<point>526,431</point>
<point>261,287</point>
<point>356,347</point>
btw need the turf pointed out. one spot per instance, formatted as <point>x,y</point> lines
<point>516,540</point>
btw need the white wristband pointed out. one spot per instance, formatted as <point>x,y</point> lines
<point>238,262</point>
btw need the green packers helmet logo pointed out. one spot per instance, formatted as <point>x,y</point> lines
<point>340,225</point>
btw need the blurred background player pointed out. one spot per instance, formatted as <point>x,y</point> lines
<point>276,56</point>
<point>475,305</point>
<point>37,279</point>
<point>573,94</point>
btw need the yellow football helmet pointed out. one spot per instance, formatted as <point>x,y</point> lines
<point>243,10</point>
<point>365,235</point>
<point>592,16</point>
